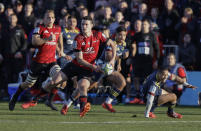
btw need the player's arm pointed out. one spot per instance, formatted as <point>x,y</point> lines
<point>133,49</point>
<point>150,99</point>
<point>60,48</point>
<point>81,61</point>
<point>113,46</point>
<point>180,78</point>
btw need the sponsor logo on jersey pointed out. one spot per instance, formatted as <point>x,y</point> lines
<point>46,31</point>
<point>50,43</point>
<point>83,43</point>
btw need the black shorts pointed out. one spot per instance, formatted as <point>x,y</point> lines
<point>71,70</point>
<point>142,69</point>
<point>37,68</point>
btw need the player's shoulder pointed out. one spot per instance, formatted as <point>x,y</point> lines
<point>79,37</point>
<point>98,34</point>
<point>57,27</point>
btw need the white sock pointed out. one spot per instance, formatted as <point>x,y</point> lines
<point>108,100</point>
<point>68,103</point>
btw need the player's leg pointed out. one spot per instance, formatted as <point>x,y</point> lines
<point>29,82</point>
<point>118,83</point>
<point>83,85</point>
<point>171,99</point>
<point>75,95</point>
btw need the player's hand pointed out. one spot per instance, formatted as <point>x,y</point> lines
<point>112,62</point>
<point>191,86</point>
<point>97,68</point>
<point>69,58</point>
<point>119,67</point>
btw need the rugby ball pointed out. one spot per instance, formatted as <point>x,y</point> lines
<point>107,68</point>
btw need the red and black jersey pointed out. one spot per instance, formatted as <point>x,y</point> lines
<point>89,46</point>
<point>46,53</point>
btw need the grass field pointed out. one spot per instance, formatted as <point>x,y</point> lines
<point>41,118</point>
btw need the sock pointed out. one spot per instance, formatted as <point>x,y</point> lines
<point>170,108</point>
<point>83,101</point>
<point>18,92</point>
<point>52,94</point>
<point>41,94</point>
<point>62,96</point>
<point>153,108</point>
<point>114,92</point>
<point>108,100</point>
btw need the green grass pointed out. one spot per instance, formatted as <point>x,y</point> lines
<point>41,118</point>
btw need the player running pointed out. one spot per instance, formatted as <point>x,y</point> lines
<point>86,49</point>
<point>46,38</point>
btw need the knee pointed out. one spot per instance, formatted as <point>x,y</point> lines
<point>25,85</point>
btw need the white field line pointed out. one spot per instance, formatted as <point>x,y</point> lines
<point>90,122</point>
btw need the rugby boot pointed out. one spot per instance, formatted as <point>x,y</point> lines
<point>152,115</point>
<point>85,109</point>
<point>51,105</point>
<point>29,104</point>
<point>64,110</point>
<point>174,115</point>
<point>108,107</point>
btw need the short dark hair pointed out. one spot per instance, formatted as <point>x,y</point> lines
<point>120,29</point>
<point>163,68</point>
<point>87,18</point>
<point>72,16</point>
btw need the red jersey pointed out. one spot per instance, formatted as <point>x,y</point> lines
<point>89,46</point>
<point>46,53</point>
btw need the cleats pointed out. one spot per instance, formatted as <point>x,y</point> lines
<point>152,115</point>
<point>51,105</point>
<point>141,102</point>
<point>29,104</point>
<point>108,107</point>
<point>135,101</point>
<point>64,110</point>
<point>85,109</point>
<point>175,115</point>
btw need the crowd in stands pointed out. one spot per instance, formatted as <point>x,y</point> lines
<point>173,22</point>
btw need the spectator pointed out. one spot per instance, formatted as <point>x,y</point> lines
<point>123,7</point>
<point>143,48</point>
<point>142,13</point>
<point>187,52</point>
<point>15,45</point>
<point>186,24</point>
<point>169,19</point>
<point>107,18</point>
<point>134,6</point>
<point>118,17</point>
<point>28,19</point>
<point>18,8</point>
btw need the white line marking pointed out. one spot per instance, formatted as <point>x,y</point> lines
<point>90,122</point>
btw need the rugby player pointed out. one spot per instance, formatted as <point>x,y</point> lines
<point>46,38</point>
<point>86,49</point>
<point>155,96</point>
